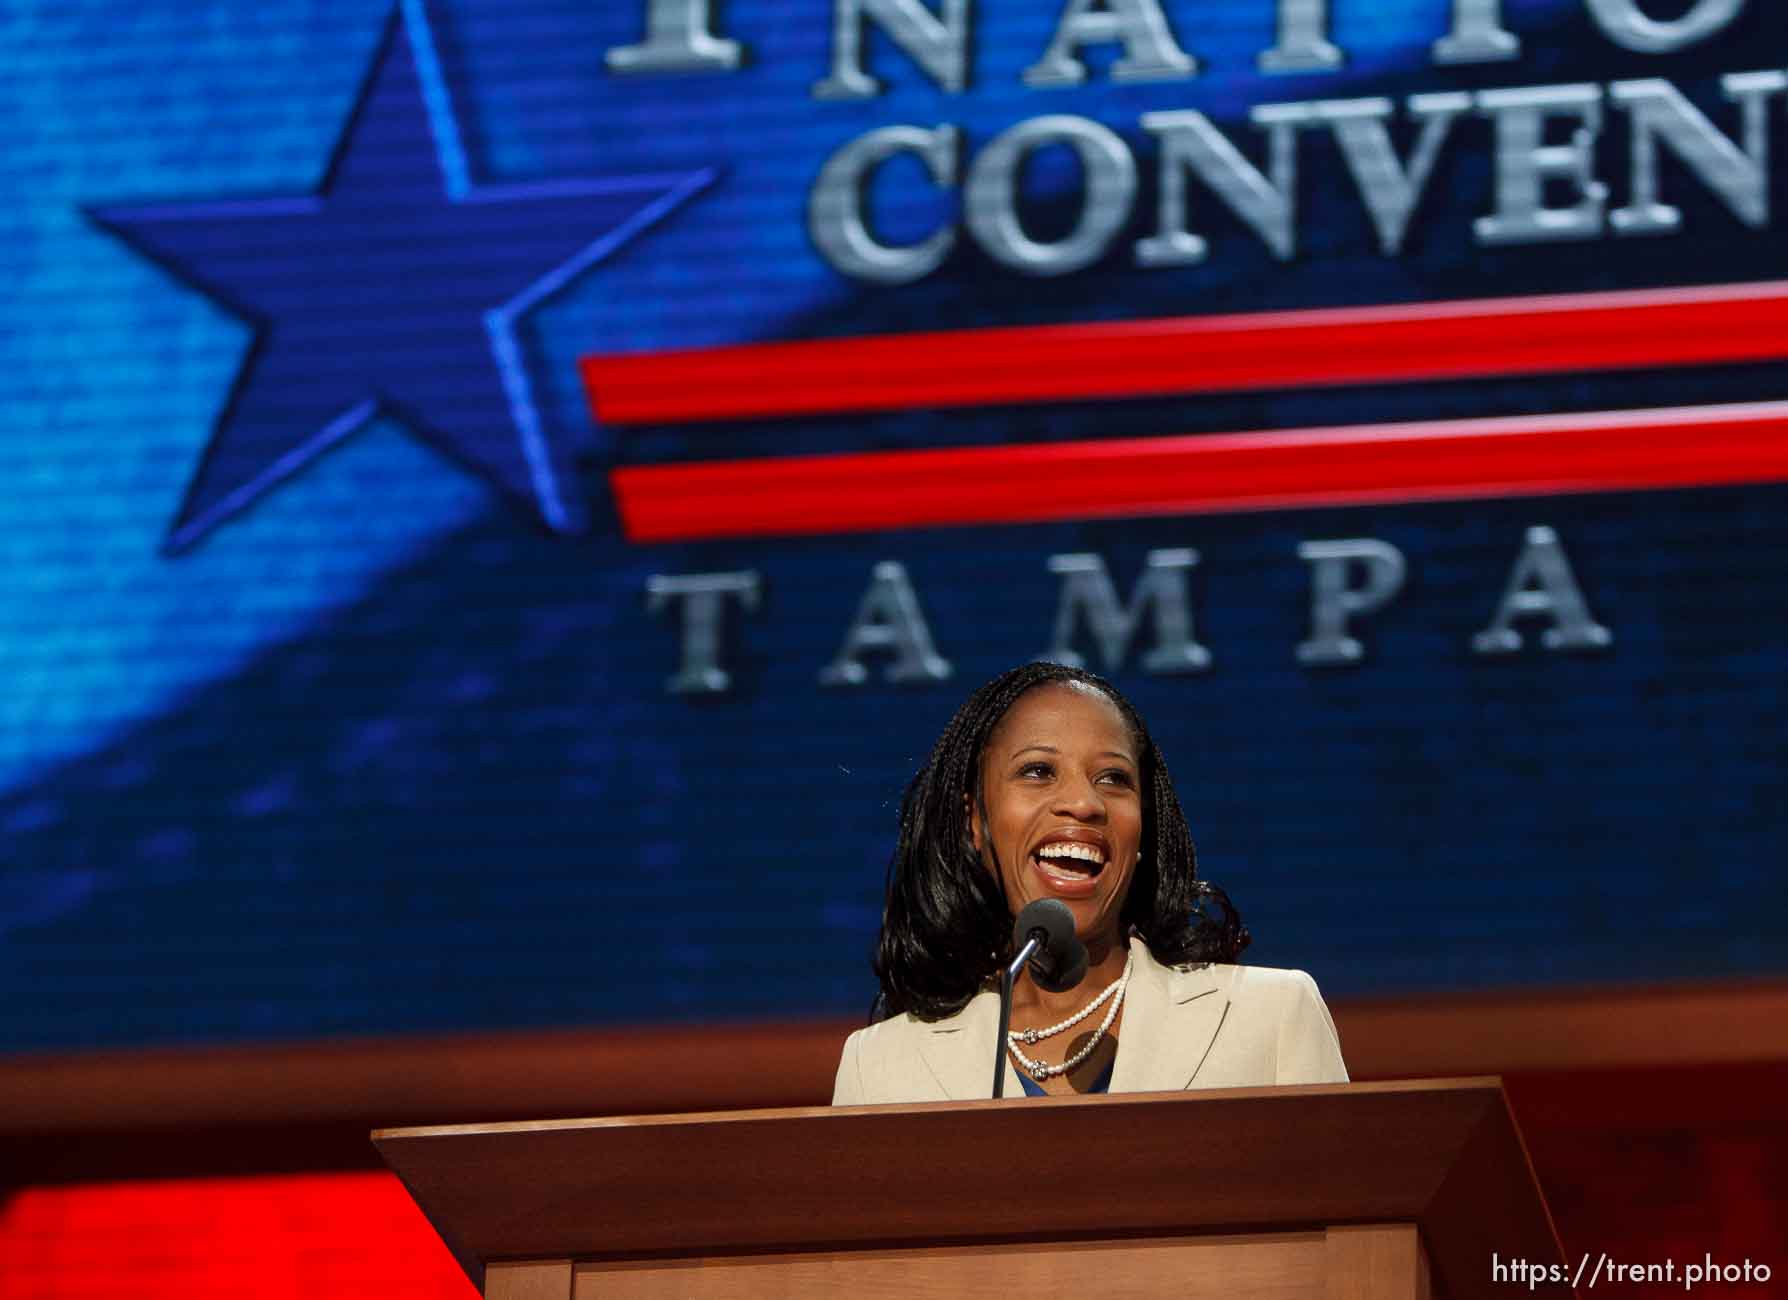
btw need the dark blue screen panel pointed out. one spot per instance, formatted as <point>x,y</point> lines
<point>337,698</point>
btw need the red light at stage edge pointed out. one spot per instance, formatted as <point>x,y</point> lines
<point>274,1237</point>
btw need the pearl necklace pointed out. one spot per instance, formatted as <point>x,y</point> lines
<point>1114,993</point>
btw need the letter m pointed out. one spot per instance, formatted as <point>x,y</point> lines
<point>1088,596</point>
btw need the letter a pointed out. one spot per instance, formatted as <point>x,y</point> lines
<point>888,619</point>
<point>1541,585</point>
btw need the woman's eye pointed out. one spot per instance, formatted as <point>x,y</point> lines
<point>1117,777</point>
<point>1036,769</point>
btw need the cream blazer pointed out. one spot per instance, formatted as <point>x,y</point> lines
<point>1209,1026</point>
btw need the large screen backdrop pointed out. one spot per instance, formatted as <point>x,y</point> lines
<point>502,496</point>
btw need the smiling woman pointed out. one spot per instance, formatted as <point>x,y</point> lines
<point>1046,784</point>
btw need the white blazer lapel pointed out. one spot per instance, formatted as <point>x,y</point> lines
<point>959,1051</point>
<point>1171,1020</point>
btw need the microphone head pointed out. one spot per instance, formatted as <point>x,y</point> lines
<point>1060,962</point>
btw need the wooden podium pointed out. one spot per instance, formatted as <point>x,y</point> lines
<point>1376,1191</point>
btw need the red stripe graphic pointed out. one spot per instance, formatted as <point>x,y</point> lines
<point>1196,354</point>
<point>1196,474</point>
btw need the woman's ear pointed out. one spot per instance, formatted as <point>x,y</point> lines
<point>974,826</point>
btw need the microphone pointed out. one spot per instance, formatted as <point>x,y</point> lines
<point>1059,963</point>
<point>1044,936</point>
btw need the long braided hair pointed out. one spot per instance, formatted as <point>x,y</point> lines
<point>945,926</point>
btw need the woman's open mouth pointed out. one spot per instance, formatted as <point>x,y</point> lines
<point>1069,866</point>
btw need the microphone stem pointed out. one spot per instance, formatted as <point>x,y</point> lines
<point>1007,978</point>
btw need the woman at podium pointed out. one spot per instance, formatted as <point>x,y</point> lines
<point>1046,784</point>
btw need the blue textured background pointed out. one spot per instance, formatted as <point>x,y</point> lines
<point>381,754</point>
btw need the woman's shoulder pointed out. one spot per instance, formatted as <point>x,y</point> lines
<point>1270,983</point>
<point>1274,1025</point>
<point>897,1033</point>
<point>883,1035</point>
<point>1266,980</point>
<point>886,1061</point>
<point>1268,993</point>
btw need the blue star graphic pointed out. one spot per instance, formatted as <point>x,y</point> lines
<point>397,287</point>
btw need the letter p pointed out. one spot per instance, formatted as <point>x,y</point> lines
<point>1335,599</point>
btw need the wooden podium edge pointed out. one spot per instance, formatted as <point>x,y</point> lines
<point>1486,1198</point>
<point>1468,1083</point>
<point>1450,1233</point>
<point>474,1267</point>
